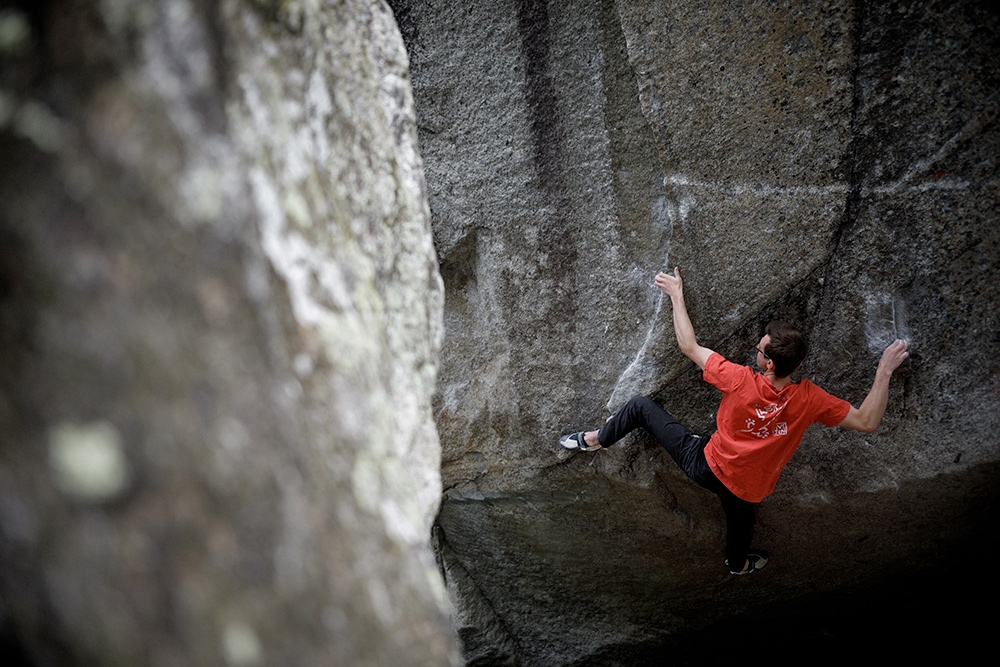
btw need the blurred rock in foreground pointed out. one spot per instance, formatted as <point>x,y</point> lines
<point>220,320</point>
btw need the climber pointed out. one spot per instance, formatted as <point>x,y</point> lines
<point>759,423</point>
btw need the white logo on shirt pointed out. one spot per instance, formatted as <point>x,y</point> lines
<point>766,414</point>
<point>769,411</point>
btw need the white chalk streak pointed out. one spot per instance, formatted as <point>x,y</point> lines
<point>970,129</point>
<point>759,189</point>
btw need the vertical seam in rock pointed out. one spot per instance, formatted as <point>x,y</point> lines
<point>533,26</point>
<point>555,237</point>
<point>853,190</point>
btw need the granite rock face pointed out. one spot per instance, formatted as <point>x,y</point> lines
<point>833,163</point>
<point>221,316</point>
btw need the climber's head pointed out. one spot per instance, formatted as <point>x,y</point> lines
<point>784,346</point>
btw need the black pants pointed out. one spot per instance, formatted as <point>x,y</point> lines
<point>688,450</point>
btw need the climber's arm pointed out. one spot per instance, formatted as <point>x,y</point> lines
<point>672,286</point>
<point>867,418</point>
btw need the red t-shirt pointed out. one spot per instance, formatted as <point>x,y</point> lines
<point>759,427</point>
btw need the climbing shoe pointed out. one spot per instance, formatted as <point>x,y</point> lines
<point>757,559</point>
<point>575,441</point>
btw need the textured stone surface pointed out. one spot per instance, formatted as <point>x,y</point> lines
<point>220,312</point>
<point>829,162</point>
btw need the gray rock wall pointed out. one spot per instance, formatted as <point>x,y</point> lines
<point>220,312</point>
<point>828,162</point>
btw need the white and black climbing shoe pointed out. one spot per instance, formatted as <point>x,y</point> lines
<point>757,560</point>
<point>575,441</point>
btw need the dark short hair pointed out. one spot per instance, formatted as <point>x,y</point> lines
<point>787,347</point>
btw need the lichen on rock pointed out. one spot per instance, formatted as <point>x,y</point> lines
<point>221,321</point>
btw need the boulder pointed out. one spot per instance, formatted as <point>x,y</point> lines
<point>831,163</point>
<point>221,316</point>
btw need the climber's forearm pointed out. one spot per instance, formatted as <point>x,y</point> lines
<point>673,286</point>
<point>684,330</point>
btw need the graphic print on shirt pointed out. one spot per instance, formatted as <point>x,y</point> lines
<point>768,426</point>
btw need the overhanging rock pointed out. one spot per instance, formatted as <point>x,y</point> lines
<point>830,163</point>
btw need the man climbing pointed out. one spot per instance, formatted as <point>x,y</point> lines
<point>760,421</point>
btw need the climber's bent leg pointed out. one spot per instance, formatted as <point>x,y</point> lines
<point>682,445</point>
